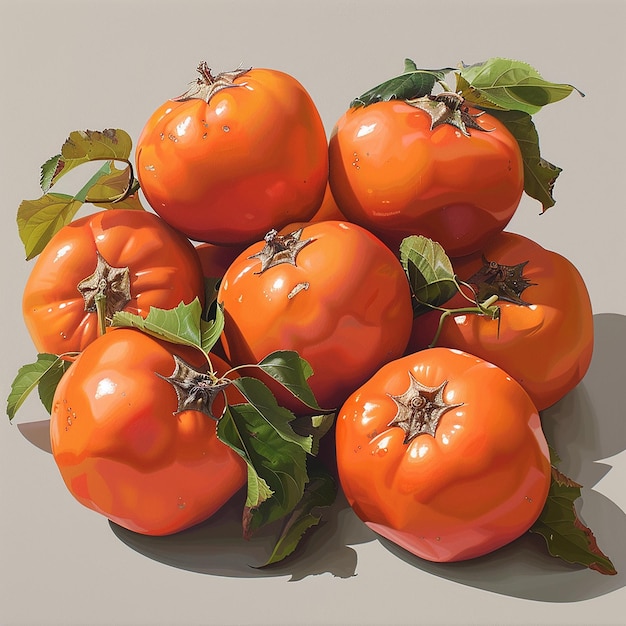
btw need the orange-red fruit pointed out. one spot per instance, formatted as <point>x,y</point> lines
<point>393,174</point>
<point>344,305</point>
<point>227,170</point>
<point>470,481</point>
<point>122,448</point>
<point>163,271</point>
<point>546,342</point>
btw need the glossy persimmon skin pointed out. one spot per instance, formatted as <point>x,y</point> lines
<point>123,450</point>
<point>479,483</point>
<point>350,311</point>
<point>391,173</point>
<point>164,271</point>
<point>254,157</point>
<point>546,345</point>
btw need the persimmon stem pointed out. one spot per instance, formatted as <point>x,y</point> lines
<point>101,312</point>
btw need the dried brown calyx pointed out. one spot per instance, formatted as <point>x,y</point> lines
<point>196,391</point>
<point>207,85</point>
<point>448,107</point>
<point>108,287</point>
<point>507,282</point>
<point>419,409</point>
<point>280,249</point>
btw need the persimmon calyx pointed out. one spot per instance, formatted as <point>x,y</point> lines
<point>280,249</point>
<point>505,281</point>
<point>107,285</point>
<point>195,390</point>
<point>448,107</point>
<point>419,409</point>
<point>207,85</point>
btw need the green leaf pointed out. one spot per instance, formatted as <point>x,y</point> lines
<point>44,373</point>
<point>475,97</point>
<point>429,271</point>
<point>277,417</point>
<point>539,175</point>
<point>84,146</point>
<point>292,372</point>
<point>180,325</point>
<point>39,220</point>
<point>319,494</point>
<point>258,491</point>
<point>211,329</point>
<point>565,535</point>
<point>509,85</point>
<point>412,83</point>
<point>48,172</point>
<point>277,470</point>
<point>50,380</point>
<point>313,426</point>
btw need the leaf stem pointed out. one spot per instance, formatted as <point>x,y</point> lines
<point>131,186</point>
<point>487,307</point>
<point>81,196</point>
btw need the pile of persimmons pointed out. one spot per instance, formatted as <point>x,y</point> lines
<point>249,305</point>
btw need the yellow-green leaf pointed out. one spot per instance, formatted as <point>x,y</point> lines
<point>111,191</point>
<point>39,220</point>
<point>510,85</point>
<point>90,145</point>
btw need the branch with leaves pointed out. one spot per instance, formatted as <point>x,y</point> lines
<point>511,91</point>
<point>110,187</point>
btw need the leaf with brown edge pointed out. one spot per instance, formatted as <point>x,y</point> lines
<point>39,220</point>
<point>82,146</point>
<point>565,534</point>
<point>277,472</point>
<point>539,175</point>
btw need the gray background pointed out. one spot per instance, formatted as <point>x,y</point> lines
<point>77,65</point>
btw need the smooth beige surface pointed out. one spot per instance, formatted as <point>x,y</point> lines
<point>92,65</point>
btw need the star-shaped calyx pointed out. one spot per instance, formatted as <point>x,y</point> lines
<point>505,281</point>
<point>108,284</point>
<point>196,391</point>
<point>419,409</point>
<point>448,108</point>
<point>207,85</point>
<point>280,249</point>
